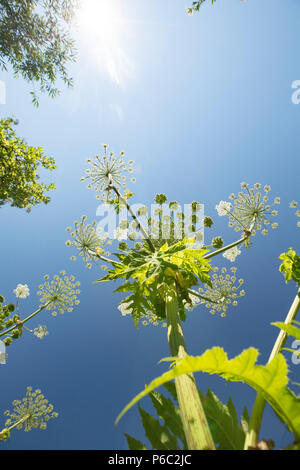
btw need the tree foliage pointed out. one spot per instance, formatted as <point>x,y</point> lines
<point>196,6</point>
<point>35,40</point>
<point>19,165</point>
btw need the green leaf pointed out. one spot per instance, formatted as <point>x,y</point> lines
<point>290,266</point>
<point>223,422</point>
<point>245,420</point>
<point>271,380</point>
<point>158,435</point>
<point>134,444</point>
<point>291,330</point>
<point>169,413</point>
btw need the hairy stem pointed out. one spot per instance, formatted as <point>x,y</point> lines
<point>259,404</point>
<point>194,421</point>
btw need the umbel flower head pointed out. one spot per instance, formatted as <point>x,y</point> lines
<point>224,291</point>
<point>40,331</point>
<point>60,294</point>
<point>296,205</point>
<point>107,170</point>
<point>250,209</point>
<point>232,253</point>
<point>33,411</point>
<point>147,317</point>
<point>88,241</point>
<point>21,291</point>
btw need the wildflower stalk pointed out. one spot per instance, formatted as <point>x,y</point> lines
<point>103,258</point>
<point>194,421</point>
<point>20,323</point>
<point>259,404</point>
<point>193,292</point>
<point>225,248</point>
<point>20,421</point>
<point>232,245</point>
<point>135,218</point>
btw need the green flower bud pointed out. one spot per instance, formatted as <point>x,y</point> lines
<point>194,218</point>
<point>7,341</point>
<point>207,222</point>
<point>123,246</point>
<point>196,206</point>
<point>217,242</point>
<point>9,322</point>
<point>160,198</point>
<point>173,205</point>
<point>1,299</point>
<point>11,307</point>
<point>16,333</point>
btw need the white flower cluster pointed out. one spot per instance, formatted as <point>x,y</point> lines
<point>107,171</point>
<point>88,241</point>
<point>33,411</point>
<point>295,205</point>
<point>21,291</point>
<point>41,331</point>
<point>250,209</point>
<point>223,208</point>
<point>224,291</point>
<point>59,294</point>
<point>146,318</point>
<point>232,253</point>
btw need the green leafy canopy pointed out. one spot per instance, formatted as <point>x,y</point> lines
<point>153,272</point>
<point>19,165</point>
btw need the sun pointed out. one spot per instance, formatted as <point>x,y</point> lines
<point>101,28</point>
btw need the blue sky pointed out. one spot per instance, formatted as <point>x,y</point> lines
<point>200,104</point>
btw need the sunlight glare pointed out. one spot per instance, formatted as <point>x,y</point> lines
<point>101,28</point>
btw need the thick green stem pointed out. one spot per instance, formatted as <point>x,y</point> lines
<point>259,404</point>
<point>194,421</point>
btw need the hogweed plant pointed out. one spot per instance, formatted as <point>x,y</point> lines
<point>269,381</point>
<point>166,270</point>
<point>57,295</point>
<point>33,411</point>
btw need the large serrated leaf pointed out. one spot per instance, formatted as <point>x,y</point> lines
<point>271,380</point>
<point>223,422</point>
<point>134,444</point>
<point>158,435</point>
<point>169,413</point>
